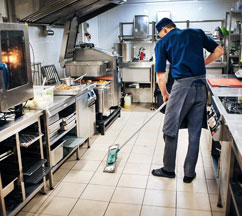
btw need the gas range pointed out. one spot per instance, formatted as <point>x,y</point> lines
<point>232,105</point>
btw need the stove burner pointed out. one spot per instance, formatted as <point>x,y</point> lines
<point>232,104</point>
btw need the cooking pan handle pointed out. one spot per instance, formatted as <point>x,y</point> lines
<point>4,68</point>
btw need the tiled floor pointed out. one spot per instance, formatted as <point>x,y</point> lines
<point>84,190</point>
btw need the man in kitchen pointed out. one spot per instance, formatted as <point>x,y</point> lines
<point>187,100</point>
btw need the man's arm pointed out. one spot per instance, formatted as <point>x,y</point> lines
<point>217,53</point>
<point>161,79</point>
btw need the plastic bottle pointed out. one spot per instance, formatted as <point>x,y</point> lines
<point>127,101</point>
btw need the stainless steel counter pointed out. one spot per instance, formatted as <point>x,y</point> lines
<point>212,65</point>
<point>63,101</point>
<point>233,121</point>
<point>12,127</point>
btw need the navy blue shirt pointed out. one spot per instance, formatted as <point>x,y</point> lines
<point>184,50</point>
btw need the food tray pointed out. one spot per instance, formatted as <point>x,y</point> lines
<point>69,120</point>
<point>53,119</point>
<point>53,134</point>
<point>54,127</point>
<point>75,91</point>
<point>102,85</point>
<point>65,119</point>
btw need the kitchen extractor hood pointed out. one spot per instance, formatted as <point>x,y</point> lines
<point>57,12</point>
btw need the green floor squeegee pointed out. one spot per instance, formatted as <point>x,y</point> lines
<point>114,149</point>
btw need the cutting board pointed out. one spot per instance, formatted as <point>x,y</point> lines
<point>217,82</point>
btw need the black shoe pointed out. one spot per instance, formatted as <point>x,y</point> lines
<point>162,173</point>
<point>187,179</point>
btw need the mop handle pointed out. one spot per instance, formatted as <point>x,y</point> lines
<point>158,110</point>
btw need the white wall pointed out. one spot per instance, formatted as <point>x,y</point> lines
<point>2,8</point>
<point>108,23</point>
<point>46,48</point>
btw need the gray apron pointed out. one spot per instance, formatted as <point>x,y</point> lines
<point>180,89</point>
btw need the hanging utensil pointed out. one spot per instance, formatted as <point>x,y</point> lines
<point>80,78</point>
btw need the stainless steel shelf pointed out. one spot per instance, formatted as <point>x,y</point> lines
<point>28,139</point>
<point>66,156</point>
<point>71,145</point>
<point>37,176</point>
<point>31,165</point>
<point>5,155</point>
<point>72,142</point>
<point>60,135</point>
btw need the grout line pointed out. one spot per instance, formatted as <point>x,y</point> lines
<point>210,204</point>
<point>157,137</point>
<point>95,173</point>
<point>122,170</point>
<point>126,122</point>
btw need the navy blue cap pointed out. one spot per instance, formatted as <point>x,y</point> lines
<point>162,23</point>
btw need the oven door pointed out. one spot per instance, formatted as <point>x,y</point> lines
<point>15,70</point>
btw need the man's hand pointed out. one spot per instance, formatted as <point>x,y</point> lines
<point>161,79</point>
<point>165,97</point>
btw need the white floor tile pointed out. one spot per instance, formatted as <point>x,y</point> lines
<point>160,198</point>
<point>194,201</point>
<point>108,179</point>
<point>98,192</point>
<point>128,195</point>
<point>187,212</point>
<point>159,183</point>
<point>89,208</point>
<point>69,190</point>
<point>59,206</point>
<point>137,168</point>
<point>133,181</point>
<point>86,165</point>
<point>154,210</point>
<point>119,209</point>
<point>77,176</point>
<point>140,158</point>
<point>196,186</point>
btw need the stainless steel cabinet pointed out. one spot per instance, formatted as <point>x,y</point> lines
<point>92,119</point>
<point>82,115</point>
<point>104,99</point>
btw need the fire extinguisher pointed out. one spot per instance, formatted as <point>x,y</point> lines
<point>141,53</point>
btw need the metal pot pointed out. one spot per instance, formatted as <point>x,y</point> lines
<point>68,81</point>
<point>71,81</point>
<point>127,51</point>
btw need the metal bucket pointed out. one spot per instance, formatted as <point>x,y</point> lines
<point>118,48</point>
<point>127,51</point>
